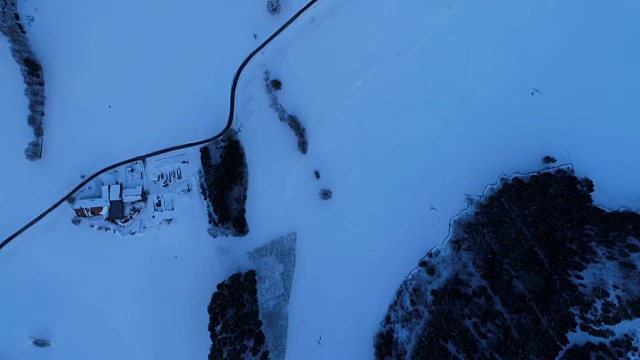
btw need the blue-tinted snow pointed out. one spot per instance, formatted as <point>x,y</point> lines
<point>408,104</point>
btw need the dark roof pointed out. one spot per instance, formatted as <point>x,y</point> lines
<point>116,210</point>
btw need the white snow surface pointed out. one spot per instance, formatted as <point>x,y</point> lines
<point>408,104</point>
<point>98,296</point>
<point>412,104</point>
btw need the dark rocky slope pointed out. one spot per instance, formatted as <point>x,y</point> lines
<point>533,270</point>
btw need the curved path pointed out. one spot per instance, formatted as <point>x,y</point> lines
<point>173,148</point>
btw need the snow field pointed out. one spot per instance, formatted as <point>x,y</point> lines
<point>407,105</point>
<point>410,105</point>
<point>99,296</point>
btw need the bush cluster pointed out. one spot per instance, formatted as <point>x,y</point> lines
<point>234,325</point>
<point>31,70</point>
<point>225,185</point>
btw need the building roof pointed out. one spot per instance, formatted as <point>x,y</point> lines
<point>105,192</point>
<point>116,210</point>
<point>91,203</point>
<point>134,194</point>
<point>114,192</point>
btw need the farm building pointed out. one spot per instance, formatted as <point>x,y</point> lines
<point>111,204</point>
<point>131,195</point>
<point>93,207</point>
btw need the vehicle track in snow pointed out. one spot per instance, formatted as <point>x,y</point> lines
<point>226,129</point>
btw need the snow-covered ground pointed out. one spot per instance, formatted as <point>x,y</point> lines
<point>122,78</point>
<point>99,296</point>
<point>412,104</point>
<point>408,104</point>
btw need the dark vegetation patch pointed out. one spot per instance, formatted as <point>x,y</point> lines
<point>549,160</point>
<point>274,7</point>
<point>316,174</point>
<point>234,325</point>
<point>272,86</point>
<point>325,194</point>
<point>276,84</point>
<point>225,184</point>
<point>529,264</point>
<point>31,70</point>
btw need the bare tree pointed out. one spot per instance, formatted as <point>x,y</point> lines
<point>274,7</point>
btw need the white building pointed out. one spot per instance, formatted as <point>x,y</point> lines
<point>131,195</point>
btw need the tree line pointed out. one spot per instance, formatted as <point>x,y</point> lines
<point>31,70</point>
<point>235,327</point>
<point>226,179</point>
<point>272,86</point>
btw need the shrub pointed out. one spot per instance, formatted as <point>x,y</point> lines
<point>325,194</point>
<point>41,343</point>
<point>316,173</point>
<point>276,84</point>
<point>274,7</point>
<point>549,160</point>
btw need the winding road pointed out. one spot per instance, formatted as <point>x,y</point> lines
<point>173,148</point>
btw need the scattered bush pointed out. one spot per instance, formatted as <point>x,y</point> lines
<point>299,131</point>
<point>41,343</point>
<point>316,174</point>
<point>76,220</point>
<point>549,160</point>
<point>234,325</point>
<point>294,123</point>
<point>274,7</point>
<point>325,194</point>
<point>33,150</point>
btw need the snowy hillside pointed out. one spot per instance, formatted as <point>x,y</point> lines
<point>408,106</point>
